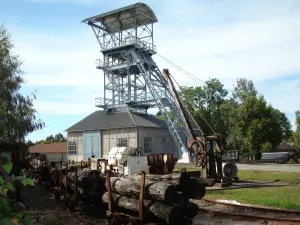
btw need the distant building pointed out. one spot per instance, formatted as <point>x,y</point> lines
<point>99,132</point>
<point>284,147</point>
<point>53,151</point>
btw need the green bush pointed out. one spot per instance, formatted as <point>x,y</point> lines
<point>11,211</point>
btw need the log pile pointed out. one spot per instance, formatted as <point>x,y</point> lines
<point>164,199</point>
<point>88,184</point>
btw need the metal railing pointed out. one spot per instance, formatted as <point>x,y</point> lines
<point>99,63</point>
<point>147,97</point>
<point>131,40</point>
<point>102,102</point>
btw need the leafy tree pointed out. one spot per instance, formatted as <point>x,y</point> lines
<point>59,138</point>
<point>17,115</point>
<point>52,139</point>
<point>243,89</point>
<point>204,103</point>
<point>49,139</point>
<point>29,143</point>
<point>244,121</point>
<point>160,116</point>
<point>253,125</point>
<point>296,135</point>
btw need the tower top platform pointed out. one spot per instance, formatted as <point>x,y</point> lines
<point>124,18</point>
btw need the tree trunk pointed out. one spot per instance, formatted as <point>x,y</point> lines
<point>154,177</point>
<point>170,214</point>
<point>85,177</point>
<point>154,190</point>
<point>190,187</point>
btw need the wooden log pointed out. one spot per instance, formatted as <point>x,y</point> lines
<point>206,182</point>
<point>154,177</point>
<point>192,188</point>
<point>170,214</point>
<point>85,177</point>
<point>155,190</point>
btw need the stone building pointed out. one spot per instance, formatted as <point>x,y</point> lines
<point>100,131</point>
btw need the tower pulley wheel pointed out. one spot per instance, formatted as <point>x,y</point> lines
<point>197,153</point>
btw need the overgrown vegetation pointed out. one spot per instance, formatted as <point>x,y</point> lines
<point>243,119</point>
<point>11,210</point>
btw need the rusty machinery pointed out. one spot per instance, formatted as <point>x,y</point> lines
<point>204,151</point>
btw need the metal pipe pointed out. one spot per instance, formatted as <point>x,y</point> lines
<point>141,200</point>
<point>108,189</point>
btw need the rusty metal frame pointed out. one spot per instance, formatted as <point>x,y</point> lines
<point>141,216</point>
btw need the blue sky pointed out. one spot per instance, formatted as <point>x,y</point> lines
<point>257,39</point>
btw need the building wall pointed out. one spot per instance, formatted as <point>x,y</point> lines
<point>91,144</point>
<point>161,140</point>
<point>77,137</point>
<point>110,136</point>
<point>56,156</point>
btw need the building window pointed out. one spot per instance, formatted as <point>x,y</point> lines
<point>121,142</point>
<point>72,148</point>
<point>147,144</point>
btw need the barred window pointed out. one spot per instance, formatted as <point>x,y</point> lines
<point>72,147</point>
<point>121,142</point>
<point>147,144</point>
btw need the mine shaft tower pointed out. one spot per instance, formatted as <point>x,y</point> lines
<point>125,35</point>
<point>131,77</point>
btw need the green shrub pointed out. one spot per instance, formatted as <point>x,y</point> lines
<point>11,211</point>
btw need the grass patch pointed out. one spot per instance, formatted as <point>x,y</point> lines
<point>252,175</point>
<point>281,197</point>
<point>289,177</point>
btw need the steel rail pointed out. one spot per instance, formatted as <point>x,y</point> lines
<point>260,208</point>
<point>248,217</point>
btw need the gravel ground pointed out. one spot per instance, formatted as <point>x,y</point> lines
<point>41,207</point>
<point>245,211</point>
<point>204,219</point>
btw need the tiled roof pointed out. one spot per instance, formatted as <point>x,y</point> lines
<point>99,120</point>
<point>49,148</point>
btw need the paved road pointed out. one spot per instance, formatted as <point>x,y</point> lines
<point>270,167</point>
<point>259,166</point>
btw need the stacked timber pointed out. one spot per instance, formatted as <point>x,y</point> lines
<point>164,199</point>
<point>194,188</point>
<point>88,184</point>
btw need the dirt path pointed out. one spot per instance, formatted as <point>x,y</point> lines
<point>42,208</point>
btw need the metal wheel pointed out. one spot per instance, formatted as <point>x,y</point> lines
<point>197,153</point>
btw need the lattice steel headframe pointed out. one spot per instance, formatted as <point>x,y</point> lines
<point>132,78</point>
<point>118,32</point>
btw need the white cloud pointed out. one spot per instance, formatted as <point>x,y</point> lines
<point>282,94</point>
<point>265,47</point>
<point>258,50</point>
<point>65,108</point>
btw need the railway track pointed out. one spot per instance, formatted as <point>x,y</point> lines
<point>249,213</point>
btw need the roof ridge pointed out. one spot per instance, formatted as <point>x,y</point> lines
<point>135,123</point>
